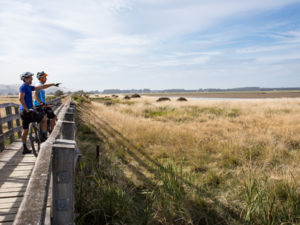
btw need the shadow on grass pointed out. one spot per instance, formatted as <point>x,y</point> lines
<point>105,196</point>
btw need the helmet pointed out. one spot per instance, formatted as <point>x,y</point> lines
<point>41,74</point>
<point>25,75</point>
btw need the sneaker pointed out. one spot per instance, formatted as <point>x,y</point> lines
<point>26,150</point>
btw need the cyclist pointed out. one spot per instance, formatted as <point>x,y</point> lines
<point>40,100</point>
<point>28,114</point>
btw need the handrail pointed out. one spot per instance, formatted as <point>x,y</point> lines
<point>9,118</point>
<point>4,105</point>
<point>33,207</point>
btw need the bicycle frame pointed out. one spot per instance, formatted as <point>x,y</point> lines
<point>35,137</point>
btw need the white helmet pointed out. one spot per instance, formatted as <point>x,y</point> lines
<point>25,75</point>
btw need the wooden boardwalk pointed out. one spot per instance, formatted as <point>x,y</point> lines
<point>26,181</point>
<point>15,171</point>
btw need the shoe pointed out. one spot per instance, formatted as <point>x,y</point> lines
<point>44,137</point>
<point>26,150</point>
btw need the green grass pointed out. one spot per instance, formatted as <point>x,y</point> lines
<point>112,101</point>
<point>270,202</point>
<point>80,98</point>
<point>187,112</point>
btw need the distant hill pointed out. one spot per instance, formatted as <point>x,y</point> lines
<point>13,89</point>
<point>9,89</point>
<point>241,89</point>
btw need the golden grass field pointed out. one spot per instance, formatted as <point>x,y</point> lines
<point>7,99</point>
<point>231,162</point>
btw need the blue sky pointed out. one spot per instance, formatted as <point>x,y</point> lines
<point>191,44</point>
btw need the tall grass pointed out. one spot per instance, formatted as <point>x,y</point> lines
<point>197,162</point>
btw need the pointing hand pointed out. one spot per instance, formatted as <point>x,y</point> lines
<point>56,84</point>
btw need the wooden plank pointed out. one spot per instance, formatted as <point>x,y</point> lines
<point>20,160</point>
<point>10,123</point>
<point>14,164</point>
<point>1,138</point>
<point>10,132</point>
<point>14,179</point>
<point>19,174</point>
<point>12,194</point>
<point>8,183</point>
<point>4,105</point>
<point>10,200</point>
<point>8,154</point>
<point>8,211</point>
<point>17,113</point>
<point>6,223</point>
<point>16,156</point>
<point>10,205</point>
<point>19,168</point>
<point>13,173</point>
<point>7,218</point>
<point>12,189</point>
<point>9,118</point>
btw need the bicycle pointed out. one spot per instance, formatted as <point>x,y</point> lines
<point>35,137</point>
<point>35,133</point>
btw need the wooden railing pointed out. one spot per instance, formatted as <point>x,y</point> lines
<point>57,159</point>
<point>9,132</point>
<point>8,120</point>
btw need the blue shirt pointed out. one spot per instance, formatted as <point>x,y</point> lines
<point>41,95</point>
<point>27,89</point>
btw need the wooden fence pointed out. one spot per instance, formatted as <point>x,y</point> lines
<point>10,125</point>
<point>57,159</point>
<point>8,120</point>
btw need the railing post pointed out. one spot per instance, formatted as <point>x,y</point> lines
<point>10,123</point>
<point>1,137</point>
<point>68,130</point>
<point>18,121</point>
<point>63,182</point>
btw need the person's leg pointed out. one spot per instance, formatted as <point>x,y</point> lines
<point>52,123</point>
<point>52,117</point>
<point>44,128</point>
<point>24,135</point>
<point>41,119</point>
<point>25,122</point>
<point>44,124</point>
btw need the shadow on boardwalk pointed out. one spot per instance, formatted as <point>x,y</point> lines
<point>15,170</point>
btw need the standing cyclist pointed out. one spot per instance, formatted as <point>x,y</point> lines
<point>40,100</point>
<point>28,114</point>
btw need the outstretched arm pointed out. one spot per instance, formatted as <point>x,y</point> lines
<point>46,86</point>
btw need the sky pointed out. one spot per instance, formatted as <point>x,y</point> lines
<point>136,44</point>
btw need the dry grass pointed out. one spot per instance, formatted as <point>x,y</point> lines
<point>7,99</point>
<point>242,156</point>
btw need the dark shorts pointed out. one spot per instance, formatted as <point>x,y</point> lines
<point>49,112</point>
<point>28,117</point>
<point>46,111</point>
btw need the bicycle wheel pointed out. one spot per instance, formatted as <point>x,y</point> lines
<point>34,137</point>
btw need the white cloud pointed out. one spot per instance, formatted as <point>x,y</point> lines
<point>108,40</point>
